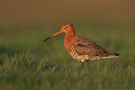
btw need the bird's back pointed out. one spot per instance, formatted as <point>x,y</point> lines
<point>86,49</point>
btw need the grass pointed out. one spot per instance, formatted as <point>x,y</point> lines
<point>28,63</point>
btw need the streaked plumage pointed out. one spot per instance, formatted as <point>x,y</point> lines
<point>81,48</point>
<point>86,49</point>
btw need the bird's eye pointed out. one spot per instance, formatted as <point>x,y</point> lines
<point>66,26</point>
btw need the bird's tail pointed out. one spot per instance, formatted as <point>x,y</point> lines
<point>116,54</point>
<point>113,55</point>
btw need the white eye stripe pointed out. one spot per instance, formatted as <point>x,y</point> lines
<point>65,26</point>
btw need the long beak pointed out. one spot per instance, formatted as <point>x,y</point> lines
<point>55,34</point>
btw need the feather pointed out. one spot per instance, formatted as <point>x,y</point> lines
<point>84,46</point>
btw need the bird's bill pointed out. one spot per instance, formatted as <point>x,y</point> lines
<point>55,34</point>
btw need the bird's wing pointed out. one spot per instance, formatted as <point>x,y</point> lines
<point>86,46</point>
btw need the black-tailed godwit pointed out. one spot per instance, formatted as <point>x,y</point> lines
<point>80,48</point>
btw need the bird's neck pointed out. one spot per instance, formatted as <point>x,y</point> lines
<point>69,39</point>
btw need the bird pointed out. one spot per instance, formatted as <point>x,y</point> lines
<point>81,48</point>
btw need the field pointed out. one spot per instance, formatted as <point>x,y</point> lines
<point>28,63</point>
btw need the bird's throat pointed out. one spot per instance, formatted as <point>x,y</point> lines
<point>69,39</point>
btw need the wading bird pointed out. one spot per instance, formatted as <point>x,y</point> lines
<point>80,48</point>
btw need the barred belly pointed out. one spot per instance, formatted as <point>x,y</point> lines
<point>78,56</point>
<point>83,58</point>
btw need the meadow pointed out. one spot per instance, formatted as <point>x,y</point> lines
<point>28,63</point>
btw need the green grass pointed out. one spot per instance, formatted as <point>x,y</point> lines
<point>28,63</point>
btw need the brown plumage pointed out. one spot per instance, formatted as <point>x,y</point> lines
<point>81,48</point>
<point>85,49</point>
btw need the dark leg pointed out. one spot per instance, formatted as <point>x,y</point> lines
<point>89,66</point>
<point>82,64</point>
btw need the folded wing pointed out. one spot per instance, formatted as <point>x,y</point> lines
<point>84,46</point>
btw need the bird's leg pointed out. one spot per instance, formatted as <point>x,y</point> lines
<point>82,64</point>
<point>89,65</point>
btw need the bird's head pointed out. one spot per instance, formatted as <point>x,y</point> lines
<point>67,28</point>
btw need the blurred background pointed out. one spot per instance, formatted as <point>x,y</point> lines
<point>46,16</point>
<point>41,13</point>
<point>24,24</point>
